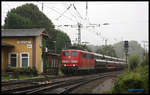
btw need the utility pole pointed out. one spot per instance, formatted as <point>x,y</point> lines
<point>79,30</point>
<point>55,46</point>
<point>86,9</point>
<point>145,49</point>
<point>42,7</point>
<point>79,33</point>
<point>105,42</point>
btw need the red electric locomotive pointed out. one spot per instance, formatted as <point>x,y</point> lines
<point>78,60</point>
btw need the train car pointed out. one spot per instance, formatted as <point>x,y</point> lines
<point>100,61</point>
<point>78,60</point>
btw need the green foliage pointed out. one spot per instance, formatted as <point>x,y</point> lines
<point>34,71</point>
<point>13,21</point>
<point>44,62</point>
<point>145,61</point>
<point>31,12</point>
<point>133,62</point>
<point>28,71</point>
<point>107,50</point>
<point>81,47</point>
<point>136,79</point>
<point>61,39</point>
<point>23,71</point>
<point>60,73</point>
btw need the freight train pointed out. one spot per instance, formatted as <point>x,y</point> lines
<point>73,60</point>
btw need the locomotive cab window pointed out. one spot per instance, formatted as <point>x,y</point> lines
<point>73,53</point>
<point>66,53</point>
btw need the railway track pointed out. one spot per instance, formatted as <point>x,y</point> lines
<point>12,82</point>
<point>64,89</point>
<point>29,84</point>
<point>61,85</point>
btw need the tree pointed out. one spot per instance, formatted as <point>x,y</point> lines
<point>61,39</point>
<point>14,21</point>
<point>145,61</point>
<point>30,12</point>
<point>133,61</point>
<point>81,47</point>
<point>107,50</point>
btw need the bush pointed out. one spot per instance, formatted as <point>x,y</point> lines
<point>144,72</point>
<point>24,71</point>
<point>133,62</point>
<point>11,69</point>
<point>145,61</point>
<point>34,71</point>
<point>137,79</point>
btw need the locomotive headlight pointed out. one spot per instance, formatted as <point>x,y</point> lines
<point>74,61</point>
<point>73,65</point>
<point>64,64</point>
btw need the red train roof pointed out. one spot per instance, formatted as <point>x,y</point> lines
<point>78,50</point>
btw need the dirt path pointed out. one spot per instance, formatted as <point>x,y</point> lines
<point>104,86</point>
<point>96,87</point>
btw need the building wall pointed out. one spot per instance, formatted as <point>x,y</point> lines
<point>4,57</point>
<point>20,46</point>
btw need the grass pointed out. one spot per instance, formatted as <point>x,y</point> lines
<point>6,78</point>
<point>20,77</point>
<point>23,77</point>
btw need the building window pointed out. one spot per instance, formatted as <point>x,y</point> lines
<point>24,59</point>
<point>12,60</point>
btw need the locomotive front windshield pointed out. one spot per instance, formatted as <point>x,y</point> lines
<point>66,53</point>
<point>74,53</point>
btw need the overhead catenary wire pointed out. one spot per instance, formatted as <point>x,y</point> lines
<point>72,13</point>
<point>77,12</point>
<point>64,11</point>
<point>59,13</point>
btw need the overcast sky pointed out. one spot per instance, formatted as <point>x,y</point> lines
<point>127,20</point>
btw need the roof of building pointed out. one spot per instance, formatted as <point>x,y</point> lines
<point>21,32</point>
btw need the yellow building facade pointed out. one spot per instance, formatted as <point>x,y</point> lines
<point>22,48</point>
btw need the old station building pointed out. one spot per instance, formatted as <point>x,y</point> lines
<point>22,48</point>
